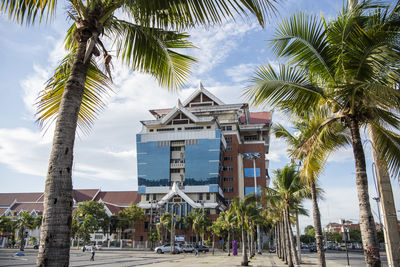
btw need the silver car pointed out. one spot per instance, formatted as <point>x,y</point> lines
<point>167,248</point>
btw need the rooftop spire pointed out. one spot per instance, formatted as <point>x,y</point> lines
<point>179,104</point>
<point>201,87</point>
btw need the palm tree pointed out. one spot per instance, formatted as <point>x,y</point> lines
<point>164,224</point>
<point>24,221</point>
<point>304,127</point>
<point>243,208</point>
<point>73,94</point>
<point>229,224</point>
<point>344,65</point>
<point>289,189</point>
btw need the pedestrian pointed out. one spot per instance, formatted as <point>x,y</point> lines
<point>195,250</point>
<point>92,249</point>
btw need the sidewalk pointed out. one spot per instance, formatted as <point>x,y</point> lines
<point>221,260</point>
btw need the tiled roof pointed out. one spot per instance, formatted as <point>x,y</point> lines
<point>6,199</point>
<point>123,198</point>
<point>113,209</point>
<point>80,195</point>
<point>2,210</point>
<point>257,117</point>
<point>27,207</point>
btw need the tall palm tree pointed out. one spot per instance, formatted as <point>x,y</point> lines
<point>243,208</point>
<point>289,189</point>
<point>24,221</point>
<point>304,127</point>
<point>229,225</point>
<point>73,94</point>
<point>345,65</point>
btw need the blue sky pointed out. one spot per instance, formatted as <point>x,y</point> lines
<point>106,158</point>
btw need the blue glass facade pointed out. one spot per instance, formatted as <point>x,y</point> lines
<point>249,172</point>
<point>250,190</point>
<point>153,163</point>
<point>202,162</point>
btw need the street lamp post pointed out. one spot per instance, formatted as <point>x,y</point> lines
<point>254,157</point>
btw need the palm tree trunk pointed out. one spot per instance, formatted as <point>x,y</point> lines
<point>245,261</point>
<point>284,248</point>
<point>56,224</point>
<point>22,237</point>
<point>367,224</point>
<point>278,242</point>
<point>252,243</point>
<point>291,238</point>
<point>390,225</point>
<point>229,240</point>
<point>287,243</point>
<point>317,227</point>
<point>249,244</point>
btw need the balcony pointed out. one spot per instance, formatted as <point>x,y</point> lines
<point>177,164</point>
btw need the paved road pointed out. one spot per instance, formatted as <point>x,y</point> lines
<point>114,258</point>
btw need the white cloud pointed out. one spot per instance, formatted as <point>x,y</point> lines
<point>217,43</point>
<point>241,72</point>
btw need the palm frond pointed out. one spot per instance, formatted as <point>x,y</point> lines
<point>301,38</point>
<point>183,14</point>
<point>387,144</point>
<point>28,11</point>
<point>152,51</point>
<point>97,86</point>
<point>287,88</point>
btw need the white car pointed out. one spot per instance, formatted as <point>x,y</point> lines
<point>167,248</point>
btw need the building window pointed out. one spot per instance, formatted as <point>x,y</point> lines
<point>228,201</point>
<point>151,130</point>
<point>179,129</point>
<point>228,189</point>
<point>147,197</point>
<point>154,196</point>
<point>175,148</point>
<point>175,170</point>
<point>208,196</point>
<point>194,128</point>
<point>230,158</point>
<point>228,168</point>
<point>228,179</point>
<point>208,127</point>
<point>250,138</point>
<point>166,130</point>
<point>200,196</point>
<point>228,148</point>
<point>228,139</point>
<point>226,128</point>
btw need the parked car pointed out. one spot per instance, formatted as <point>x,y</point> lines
<point>312,248</point>
<point>188,248</point>
<point>201,248</point>
<point>167,248</point>
<point>89,247</point>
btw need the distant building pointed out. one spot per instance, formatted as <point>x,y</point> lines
<point>12,204</point>
<point>191,156</point>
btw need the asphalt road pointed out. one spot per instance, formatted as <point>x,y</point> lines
<point>112,258</point>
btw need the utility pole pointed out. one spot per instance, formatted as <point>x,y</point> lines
<point>254,157</point>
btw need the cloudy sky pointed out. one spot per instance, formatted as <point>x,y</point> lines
<point>106,157</point>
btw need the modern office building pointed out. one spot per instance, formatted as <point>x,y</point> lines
<point>191,155</point>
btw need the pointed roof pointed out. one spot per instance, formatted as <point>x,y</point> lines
<point>200,89</point>
<point>176,191</point>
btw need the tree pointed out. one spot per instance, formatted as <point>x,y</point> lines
<point>243,208</point>
<point>24,221</point>
<point>335,237</point>
<point>290,191</point>
<point>7,225</point>
<point>72,96</point>
<point>129,216</point>
<point>312,167</point>
<point>339,66</point>
<point>88,218</point>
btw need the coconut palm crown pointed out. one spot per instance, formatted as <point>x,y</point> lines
<point>346,66</point>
